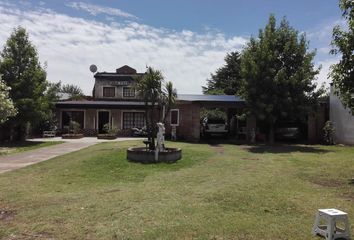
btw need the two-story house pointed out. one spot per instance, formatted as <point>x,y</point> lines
<point>114,102</point>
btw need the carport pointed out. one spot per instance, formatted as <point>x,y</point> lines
<point>189,109</point>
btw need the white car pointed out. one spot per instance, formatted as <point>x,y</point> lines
<point>214,126</point>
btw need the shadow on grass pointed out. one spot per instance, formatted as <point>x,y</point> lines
<point>282,148</point>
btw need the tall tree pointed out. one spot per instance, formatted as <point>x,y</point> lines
<point>227,79</point>
<point>279,75</point>
<point>343,42</point>
<point>150,89</point>
<point>169,98</point>
<point>74,92</point>
<point>22,72</point>
<point>7,108</point>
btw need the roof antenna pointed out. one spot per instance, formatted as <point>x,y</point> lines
<point>93,68</point>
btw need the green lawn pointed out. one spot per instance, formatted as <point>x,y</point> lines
<point>215,192</point>
<point>7,148</point>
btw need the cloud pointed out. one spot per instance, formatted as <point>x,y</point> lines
<point>321,37</point>
<point>323,76</point>
<point>96,9</point>
<point>71,44</point>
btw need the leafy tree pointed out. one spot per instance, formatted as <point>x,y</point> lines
<point>72,90</point>
<point>279,73</point>
<point>215,113</point>
<point>227,79</point>
<point>52,95</point>
<point>7,108</point>
<point>149,88</point>
<point>22,72</point>
<point>343,42</point>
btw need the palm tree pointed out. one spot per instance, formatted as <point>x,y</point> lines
<point>149,89</point>
<point>169,99</point>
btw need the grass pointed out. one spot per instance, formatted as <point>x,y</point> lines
<point>7,148</point>
<point>214,192</point>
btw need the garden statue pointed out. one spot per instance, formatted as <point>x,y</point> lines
<point>160,145</point>
<point>160,139</point>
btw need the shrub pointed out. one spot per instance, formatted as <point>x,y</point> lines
<point>105,128</point>
<point>113,131</point>
<point>74,127</point>
<point>110,131</point>
<point>328,133</point>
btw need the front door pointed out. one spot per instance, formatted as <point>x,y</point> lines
<point>103,118</point>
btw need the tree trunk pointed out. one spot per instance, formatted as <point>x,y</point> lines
<point>271,133</point>
<point>153,132</point>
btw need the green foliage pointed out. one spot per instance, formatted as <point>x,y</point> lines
<point>343,43</point>
<point>169,97</point>
<point>227,79</point>
<point>74,127</point>
<point>212,114</point>
<point>150,89</point>
<point>106,128</point>
<point>75,92</point>
<point>7,108</point>
<point>328,133</point>
<point>22,72</point>
<point>110,131</point>
<point>113,131</point>
<point>279,74</point>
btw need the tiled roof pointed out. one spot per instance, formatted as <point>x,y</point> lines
<point>180,97</point>
<point>208,98</point>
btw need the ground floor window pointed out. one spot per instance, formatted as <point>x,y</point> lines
<point>174,117</point>
<point>77,116</point>
<point>133,119</point>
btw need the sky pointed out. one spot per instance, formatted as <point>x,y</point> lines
<point>185,39</point>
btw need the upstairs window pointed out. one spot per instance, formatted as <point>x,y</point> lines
<point>128,92</point>
<point>109,91</point>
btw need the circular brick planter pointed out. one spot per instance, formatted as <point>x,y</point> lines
<point>142,155</point>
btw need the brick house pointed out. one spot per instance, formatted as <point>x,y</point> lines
<point>116,103</point>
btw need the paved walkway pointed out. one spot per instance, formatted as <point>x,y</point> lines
<point>19,160</point>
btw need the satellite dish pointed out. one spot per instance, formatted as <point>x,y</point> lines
<point>93,68</point>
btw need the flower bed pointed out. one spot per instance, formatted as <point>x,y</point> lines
<point>72,136</point>
<point>106,136</point>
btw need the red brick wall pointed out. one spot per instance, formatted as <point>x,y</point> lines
<point>189,122</point>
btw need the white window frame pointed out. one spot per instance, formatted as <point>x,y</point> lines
<point>174,125</point>
<point>97,118</point>
<point>129,111</point>
<point>69,110</point>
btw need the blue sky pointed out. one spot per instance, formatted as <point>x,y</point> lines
<point>185,39</point>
